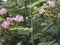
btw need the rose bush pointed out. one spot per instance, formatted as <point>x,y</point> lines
<point>29,22</point>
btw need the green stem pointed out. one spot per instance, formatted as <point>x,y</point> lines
<point>32,26</point>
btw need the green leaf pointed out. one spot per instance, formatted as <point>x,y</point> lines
<point>19,43</point>
<point>1,43</point>
<point>55,44</point>
<point>50,43</point>
<point>43,43</point>
<point>1,19</point>
<point>35,3</point>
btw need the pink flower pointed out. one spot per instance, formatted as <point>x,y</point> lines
<point>51,3</point>
<point>9,19</point>
<point>5,24</point>
<point>41,11</point>
<point>18,18</point>
<point>3,11</point>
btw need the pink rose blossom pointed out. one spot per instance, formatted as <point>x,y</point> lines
<point>5,24</point>
<point>3,11</point>
<point>41,11</point>
<point>18,18</point>
<point>51,3</point>
<point>9,19</point>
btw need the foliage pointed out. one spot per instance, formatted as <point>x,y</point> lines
<point>36,29</point>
